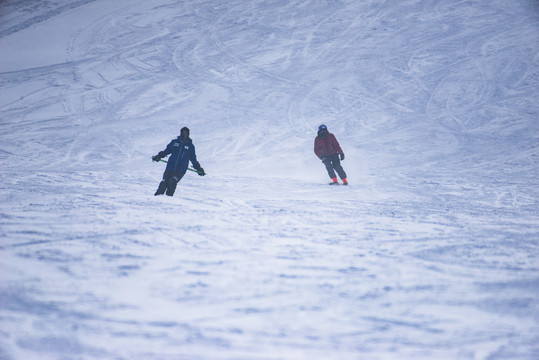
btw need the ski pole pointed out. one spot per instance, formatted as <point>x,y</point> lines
<point>187,168</point>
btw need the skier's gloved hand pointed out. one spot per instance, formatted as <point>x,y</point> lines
<point>323,158</point>
<point>159,156</point>
<point>200,170</point>
<point>342,156</point>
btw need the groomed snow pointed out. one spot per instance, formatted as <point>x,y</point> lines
<point>432,252</point>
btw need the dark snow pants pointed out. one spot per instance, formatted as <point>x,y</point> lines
<point>333,163</point>
<point>169,182</point>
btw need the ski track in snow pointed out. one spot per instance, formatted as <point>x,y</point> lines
<point>430,253</point>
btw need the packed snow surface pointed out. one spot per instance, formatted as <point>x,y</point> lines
<point>432,252</point>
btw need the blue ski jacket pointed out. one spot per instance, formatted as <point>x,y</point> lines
<point>181,152</point>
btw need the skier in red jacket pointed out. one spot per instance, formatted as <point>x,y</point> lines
<point>327,148</point>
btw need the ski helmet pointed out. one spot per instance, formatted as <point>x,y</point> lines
<point>323,131</point>
<point>184,131</point>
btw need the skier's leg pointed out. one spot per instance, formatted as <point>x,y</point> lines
<point>338,167</point>
<point>173,182</point>
<point>329,168</point>
<point>164,183</point>
<point>161,188</point>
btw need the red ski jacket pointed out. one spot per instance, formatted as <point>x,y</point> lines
<point>326,146</point>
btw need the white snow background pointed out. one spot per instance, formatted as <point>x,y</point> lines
<point>432,252</point>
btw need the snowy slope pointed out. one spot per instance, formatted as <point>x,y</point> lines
<point>431,253</point>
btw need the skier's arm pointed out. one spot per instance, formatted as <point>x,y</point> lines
<point>340,152</point>
<point>337,146</point>
<point>196,164</point>
<point>317,150</point>
<point>168,149</point>
<point>163,153</point>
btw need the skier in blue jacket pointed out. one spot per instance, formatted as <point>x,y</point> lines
<point>181,151</point>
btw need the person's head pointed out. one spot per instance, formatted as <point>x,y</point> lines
<point>322,131</point>
<point>184,132</point>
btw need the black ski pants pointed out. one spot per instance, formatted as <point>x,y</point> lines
<point>169,182</point>
<point>333,163</point>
